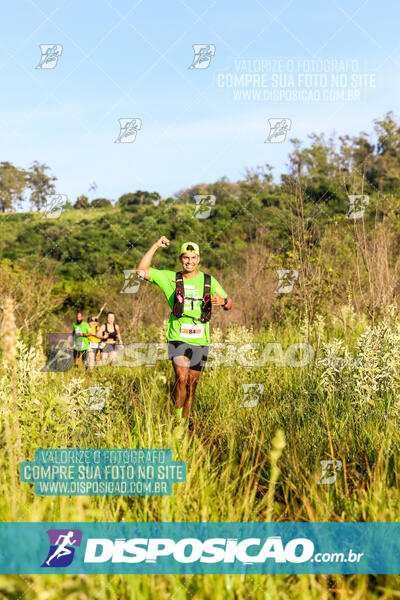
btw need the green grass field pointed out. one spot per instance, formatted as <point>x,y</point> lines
<point>243,464</point>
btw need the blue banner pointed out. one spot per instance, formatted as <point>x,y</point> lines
<point>173,548</point>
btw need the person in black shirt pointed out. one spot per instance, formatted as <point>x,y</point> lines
<point>110,335</point>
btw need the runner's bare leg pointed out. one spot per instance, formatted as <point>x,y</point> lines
<point>192,384</point>
<point>181,368</point>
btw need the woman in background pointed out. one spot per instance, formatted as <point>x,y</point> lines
<point>109,334</point>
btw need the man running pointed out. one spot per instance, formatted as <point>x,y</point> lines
<point>80,332</point>
<point>188,338</point>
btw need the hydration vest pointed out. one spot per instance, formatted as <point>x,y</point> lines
<point>179,299</point>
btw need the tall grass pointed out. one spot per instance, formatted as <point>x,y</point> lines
<point>243,464</point>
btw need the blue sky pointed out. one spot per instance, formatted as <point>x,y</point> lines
<point>125,59</point>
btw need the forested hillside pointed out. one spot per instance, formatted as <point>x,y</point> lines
<point>301,221</point>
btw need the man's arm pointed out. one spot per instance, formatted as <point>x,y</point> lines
<point>143,268</point>
<point>218,300</point>
<point>228,305</point>
<point>219,295</point>
<point>101,310</point>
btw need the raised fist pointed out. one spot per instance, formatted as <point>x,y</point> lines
<point>163,242</point>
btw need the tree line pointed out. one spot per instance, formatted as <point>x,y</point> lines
<point>36,186</point>
<point>326,168</point>
<point>15,183</point>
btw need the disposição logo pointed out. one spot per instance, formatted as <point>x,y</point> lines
<point>62,547</point>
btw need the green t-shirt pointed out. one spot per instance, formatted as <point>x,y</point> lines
<point>185,329</point>
<point>81,342</point>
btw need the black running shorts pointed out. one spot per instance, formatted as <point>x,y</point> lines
<point>196,354</point>
<point>80,354</point>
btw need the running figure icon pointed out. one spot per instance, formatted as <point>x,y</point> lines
<point>62,549</point>
<point>63,543</point>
